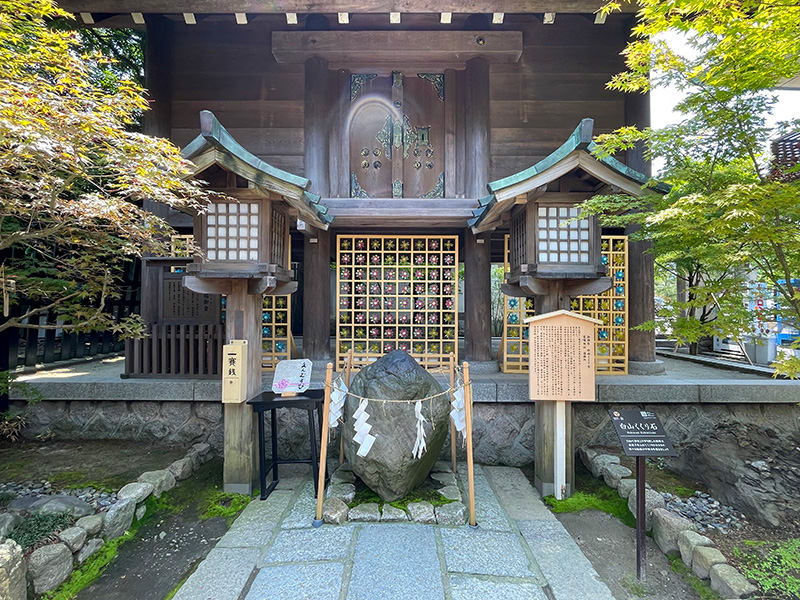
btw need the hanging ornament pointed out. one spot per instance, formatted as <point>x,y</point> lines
<point>457,413</point>
<point>419,444</point>
<point>362,428</point>
<point>338,395</point>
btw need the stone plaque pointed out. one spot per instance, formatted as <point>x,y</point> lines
<point>641,433</point>
<point>561,367</point>
<point>292,376</point>
<point>181,304</point>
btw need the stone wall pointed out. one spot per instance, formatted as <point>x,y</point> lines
<point>747,454</point>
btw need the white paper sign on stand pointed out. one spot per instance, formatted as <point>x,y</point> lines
<point>292,376</point>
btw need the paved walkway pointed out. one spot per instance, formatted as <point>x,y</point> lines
<point>519,551</point>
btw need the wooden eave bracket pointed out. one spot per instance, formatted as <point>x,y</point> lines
<point>353,49</point>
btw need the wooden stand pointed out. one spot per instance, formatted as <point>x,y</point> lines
<point>323,451</point>
<point>470,469</point>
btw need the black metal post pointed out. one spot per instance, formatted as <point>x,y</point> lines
<point>641,551</point>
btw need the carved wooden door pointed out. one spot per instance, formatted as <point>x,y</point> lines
<point>396,136</point>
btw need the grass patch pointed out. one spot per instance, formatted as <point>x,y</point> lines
<point>593,494</point>
<point>224,504</point>
<point>633,586</point>
<point>424,493</point>
<point>6,498</point>
<point>700,587</point>
<point>773,566</point>
<point>75,480</point>
<point>37,527</point>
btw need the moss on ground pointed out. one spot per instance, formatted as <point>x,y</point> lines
<point>424,493</point>
<point>773,565</point>
<point>200,495</point>
<point>698,585</point>
<point>592,493</point>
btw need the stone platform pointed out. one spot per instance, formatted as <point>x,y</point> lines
<point>519,551</point>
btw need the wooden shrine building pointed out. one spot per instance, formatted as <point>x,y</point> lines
<point>388,124</point>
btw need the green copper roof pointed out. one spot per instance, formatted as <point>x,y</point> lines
<point>214,135</point>
<point>581,139</point>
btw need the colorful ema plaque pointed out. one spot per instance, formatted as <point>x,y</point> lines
<point>292,376</point>
<point>561,357</point>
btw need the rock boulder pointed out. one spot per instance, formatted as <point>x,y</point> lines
<point>389,469</point>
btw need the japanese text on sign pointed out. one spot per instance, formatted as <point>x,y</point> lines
<point>641,433</point>
<point>292,376</point>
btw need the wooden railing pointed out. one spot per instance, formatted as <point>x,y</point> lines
<point>176,351</point>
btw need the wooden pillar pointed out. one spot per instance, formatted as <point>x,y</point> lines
<point>243,322</point>
<point>158,123</point>
<point>544,416</point>
<point>477,297</point>
<point>641,285</point>
<point>477,249</point>
<point>317,109</point>
<point>317,296</point>
<point>476,106</point>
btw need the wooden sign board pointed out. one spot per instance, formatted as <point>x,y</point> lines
<point>179,304</point>
<point>292,376</point>
<point>561,346</point>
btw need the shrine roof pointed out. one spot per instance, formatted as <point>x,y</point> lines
<point>575,153</point>
<point>216,145</point>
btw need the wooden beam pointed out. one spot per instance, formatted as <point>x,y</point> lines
<point>476,105</point>
<point>335,6</point>
<point>317,297</point>
<point>477,297</point>
<point>403,212</point>
<point>345,49</point>
<point>307,230</point>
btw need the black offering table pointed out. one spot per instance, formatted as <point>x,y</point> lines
<point>310,400</point>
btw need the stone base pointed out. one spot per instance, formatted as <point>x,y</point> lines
<point>549,488</point>
<point>482,367</point>
<point>656,367</point>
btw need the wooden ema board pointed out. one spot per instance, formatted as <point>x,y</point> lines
<point>561,357</point>
<point>397,293</point>
<point>609,307</point>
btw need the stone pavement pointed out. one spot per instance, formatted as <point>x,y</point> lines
<point>519,551</point>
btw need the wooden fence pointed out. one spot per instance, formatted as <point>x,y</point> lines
<point>189,350</point>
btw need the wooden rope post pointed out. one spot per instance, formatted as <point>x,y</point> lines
<point>323,451</point>
<point>452,425</point>
<point>348,368</point>
<point>468,419</point>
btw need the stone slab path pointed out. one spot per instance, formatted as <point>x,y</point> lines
<point>519,551</point>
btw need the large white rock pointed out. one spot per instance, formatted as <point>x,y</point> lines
<point>704,558</point>
<point>730,583</point>
<point>688,541</point>
<point>12,571</point>
<point>119,518</point>
<point>666,527</point>
<point>161,481</point>
<point>652,500</point>
<point>137,491</point>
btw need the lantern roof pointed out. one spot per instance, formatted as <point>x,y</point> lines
<point>215,145</point>
<point>573,155</point>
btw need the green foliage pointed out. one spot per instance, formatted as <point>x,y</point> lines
<point>71,171</point>
<point>700,587</point>
<point>6,498</point>
<point>37,527</point>
<point>74,480</point>
<point>609,502</point>
<point>421,495</point>
<point>774,566</point>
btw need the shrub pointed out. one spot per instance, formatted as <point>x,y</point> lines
<point>39,527</point>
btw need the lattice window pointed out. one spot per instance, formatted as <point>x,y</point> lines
<point>519,237</point>
<point>397,293</point>
<point>610,307</point>
<point>276,318</point>
<point>278,237</point>
<point>561,241</point>
<point>232,231</point>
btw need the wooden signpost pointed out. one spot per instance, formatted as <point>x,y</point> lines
<point>561,371</point>
<point>641,434</point>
